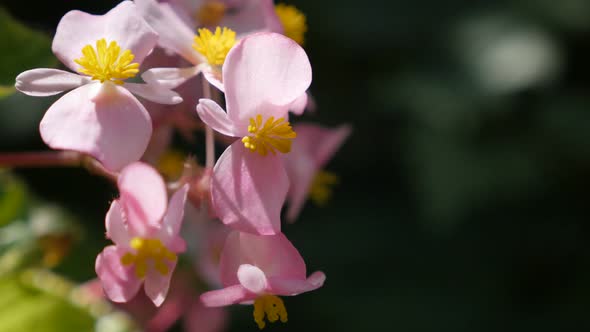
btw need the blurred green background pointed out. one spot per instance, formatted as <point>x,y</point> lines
<point>463,196</point>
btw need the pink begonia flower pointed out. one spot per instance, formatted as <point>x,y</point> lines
<point>258,268</point>
<point>100,116</point>
<point>144,229</point>
<point>206,50</point>
<point>183,303</point>
<point>263,75</point>
<point>313,148</point>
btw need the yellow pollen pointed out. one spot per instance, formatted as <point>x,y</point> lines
<point>210,14</point>
<point>148,253</point>
<point>171,164</point>
<point>215,46</point>
<point>293,21</point>
<point>320,191</point>
<point>107,63</point>
<point>271,306</point>
<point>272,136</point>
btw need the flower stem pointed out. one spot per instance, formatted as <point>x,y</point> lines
<point>209,135</point>
<point>55,159</point>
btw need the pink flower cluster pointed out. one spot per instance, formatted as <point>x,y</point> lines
<point>119,119</point>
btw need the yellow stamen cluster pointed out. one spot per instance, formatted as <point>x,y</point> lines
<point>271,306</point>
<point>215,46</point>
<point>210,13</point>
<point>271,136</point>
<point>148,251</point>
<point>320,191</point>
<point>107,63</point>
<point>293,21</point>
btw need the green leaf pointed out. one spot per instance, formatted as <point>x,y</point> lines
<point>13,198</point>
<point>25,49</point>
<point>26,308</point>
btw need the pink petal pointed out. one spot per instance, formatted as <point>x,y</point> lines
<point>116,227</point>
<point>173,218</point>
<point>170,77</point>
<point>121,24</point>
<point>289,287</point>
<point>47,82</point>
<point>214,78</point>
<point>299,105</point>
<point>252,278</point>
<point>215,117</point>
<point>110,125</point>
<point>227,296</point>
<point>155,93</point>
<point>248,190</point>
<point>264,74</point>
<point>301,169</point>
<point>119,282</point>
<point>174,34</point>
<point>157,285</point>
<point>143,197</point>
<point>252,17</point>
<point>319,142</point>
<point>274,255</point>
<point>203,319</point>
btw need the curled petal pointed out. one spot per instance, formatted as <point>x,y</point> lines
<point>121,24</point>
<point>215,117</point>
<point>248,190</point>
<point>47,82</point>
<point>289,287</point>
<point>157,285</point>
<point>252,278</point>
<point>111,126</point>
<point>155,93</point>
<point>119,282</point>
<point>143,197</point>
<point>227,296</point>
<point>173,218</point>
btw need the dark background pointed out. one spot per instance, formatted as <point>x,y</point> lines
<point>463,200</point>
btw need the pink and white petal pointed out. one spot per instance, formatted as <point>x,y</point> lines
<point>264,74</point>
<point>121,24</point>
<point>47,82</point>
<point>143,197</point>
<point>227,296</point>
<point>174,215</point>
<point>248,190</point>
<point>174,34</point>
<point>156,93</point>
<point>119,282</point>
<point>157,285</point>
<point>289,287</point>
<point>319,142</point>
<point>170,77</point>
<point>203,319</point>
<point>215,117</point>
<point>253,16</point>
<point>111,126</point>
<point>299,105</point>
<point>252,278</point>
<point>116,227</point>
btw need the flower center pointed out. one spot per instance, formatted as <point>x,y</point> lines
<point>293,21</point>
<point>171,164</point>
<point>107,63</point>
<point>320,191</point>
<point>215,46</point>
<point>271,306</point>
<point>210,14</point>
<point>148,251</point>
<point>271,136</point>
